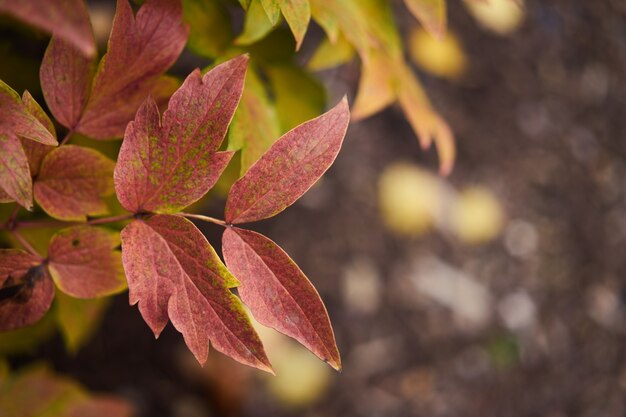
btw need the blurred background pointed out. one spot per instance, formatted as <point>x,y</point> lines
<point>497,291</point>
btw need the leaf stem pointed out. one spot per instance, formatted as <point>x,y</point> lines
<point>204,218</point>
<point>67,137</point>
<point>25,244</point>
<point>58,223</point>
<point>10,223</point>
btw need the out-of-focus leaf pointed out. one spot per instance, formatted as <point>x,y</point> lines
<point>72,181</point>
<point>84,263</point>
<point>431,14</point>
<point>298,15</point>
<point>256,24</point>
<point>37,392</point>
<point>255,126</point>
<point>272,9</point>
<point>140,49</point>
<point>210,28</point>
<point>329,54</point>
<point>245,3</point>
<point>26,290</point>
<point>443,57</point>
<point>78,319</point>
<point>500,16</point>
<point>278,293</point>
<point>368,25</point>
<point>67,19</point>
<point>174,272</point>
<point>289,168</point>
<point>298,95</point>
<point>26,340</point>
<point>166,167</point>
<point>66,77</point>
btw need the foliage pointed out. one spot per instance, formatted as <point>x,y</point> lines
<point>165,164</point>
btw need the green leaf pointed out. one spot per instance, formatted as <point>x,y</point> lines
<point>272,9</point>
<point>78,319</point>
<point>298,15</point>
<point>210,28</point>
<point>255,126</point>
<point>298,95</point>
<point>256,25</point>
<point>330,55</point>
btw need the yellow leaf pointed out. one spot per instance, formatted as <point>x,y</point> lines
<point>256,24</point>
<point>329,54</point>
<point>297,14</point>
<point>441,57</point>
<point>500,16</point>
<point>431,14</point>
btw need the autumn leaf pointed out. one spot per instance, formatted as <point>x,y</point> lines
<point>256,25</point>
<point>67,19</point>
<point>72,181</point>
<point>431,13</point>
<point>278,293</point>
<point>140,50</point>
<point>16,122</point>
<point>78,319</point>
<point>297,14</point>
<point>83,262</point>
<point>174,272</point>
<point>165,166</point>
<point>255,126</point>
<point>331,54</point>
<point>289,168</point>
<point>26,290</point>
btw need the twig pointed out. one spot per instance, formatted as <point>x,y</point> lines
<point>25,244</point>
<point>204,218</point>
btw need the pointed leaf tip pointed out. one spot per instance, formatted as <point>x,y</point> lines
<point>289,168</point>
<point>278,293</point>
<point>174,273</point>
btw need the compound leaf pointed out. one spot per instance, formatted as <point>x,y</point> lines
<point>83,262</point>
<point>26,290</point>
<point>278,293</point>
<point>174,272</point>
<point>164,167</point>
<point>289,168</point>
<point>72,181</point>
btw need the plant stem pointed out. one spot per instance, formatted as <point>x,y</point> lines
<point>67,137</point>
<point>58,223</point>
<point>25,244</point>
<point>204,218</point>
<point>10,223</point>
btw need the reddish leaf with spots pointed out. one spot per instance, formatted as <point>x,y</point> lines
<point>83,262</point>
<point>67,19</point>
<point>278,293</point>
<point>16,122</point>
<point>26,291</point>
<point>173,271</point>
<point>165,166</point>
<point>289,168</point>
<point>72,181</point>
<point>140,49</point>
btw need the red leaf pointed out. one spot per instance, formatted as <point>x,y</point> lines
<point>140,49</point>
<point>67,19</point>
<point>17,120</point>
<point>172,270</point>
<point>289,168</point>
<point>66,77</point>
<point>278,293</point>
<point>71,182</point>
<point>26,291</point>
<point>165,167</point>
<point>15,178</point>
<point>35,151</point>
<point>84,264</point>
